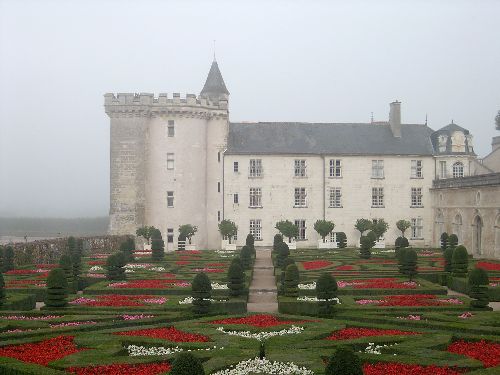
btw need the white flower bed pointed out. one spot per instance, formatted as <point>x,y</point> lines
<point>96,268</point>
<point>224,252</point>
<point>294,330</point>
<point>140,351</point>
<point>264,366</point>
<point>309,286</point>
<point>189,300</point>
<point>137,265</point>
<point>219,286</point>
<point>376,349</point>
<point>384,251</point>
<point>316,299</point>
<point>157,269</point>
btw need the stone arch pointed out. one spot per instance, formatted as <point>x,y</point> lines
<point>457,227</point>
<point>439,226</point>
<point>477,234</point>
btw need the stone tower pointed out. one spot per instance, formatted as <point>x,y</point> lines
<point>166,159</point>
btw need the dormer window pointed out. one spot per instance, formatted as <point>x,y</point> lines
<point>458,142</point>
<point>442,139</point>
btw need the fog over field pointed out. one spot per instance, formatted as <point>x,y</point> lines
<point>316,61</point>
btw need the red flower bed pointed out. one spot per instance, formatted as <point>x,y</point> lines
<point>169,276</point>
<point>358,332</point>
<point>215,264</point>
<point>21,272</point>
<point>412,300</point>
<point>41,352</point>
<point>209,270</point>
<point>169,333</point>
<point>21,283</point>
<point>96,262</point>
<point>149,284</point>
<point>344,268</point>
<point>382,368</point>
<point>315,264</point>
<point>47,265</point>
<point>261,321</point>
<point>182,262</point>
<point>189,252</point>
<point>124,368</point>
<point>484,351</point>
<point>381,283</point>
<point>488,266</point>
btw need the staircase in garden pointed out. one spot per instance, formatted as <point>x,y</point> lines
<point>263,295</point>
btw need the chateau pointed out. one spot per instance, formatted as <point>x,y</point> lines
<point>178,160</point>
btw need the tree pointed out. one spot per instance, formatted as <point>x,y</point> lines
<point>362,225</point>
<point>326,291</point>
<point>246,257</point>
<point>448,255</point>
<point>115,266</point>
<point>2,290</point>
<point>76,261</point>
<point>409,266</point>
<point>401,243</point>
<point>201,291</point>
<point>157,245</point>
<point>186,363</point>
<point>66,265</point>
<point>71,245</point>
<point>403,226</point>
<point>144,232</point>
<point>460,261</point>
<point>497,121</point>
<point>278,238</point>
<point>188,231</point>
<point>478,288</point>
<point>452,241</point>
<point>283,253</point>
<point>79,246</point>
<point>367,242</point>
<point>324,228</point>
<point>379,227</point>
<point>286,263</point>
<point>341,240</point>
<point>444,241</point>
<point>8,259</point>
<point>250,240</point>
<point>344,362</point>
<point>228,229</point>
<point>2,251</point>
<point>235,278</point>
<point>127,247</point>
<point>57,289</point>
<point>287,229</point>
<point>292,278</point>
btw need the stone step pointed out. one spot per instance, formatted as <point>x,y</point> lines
<point>262,298</point>
<point>263,290</point>
<point>262,307</point>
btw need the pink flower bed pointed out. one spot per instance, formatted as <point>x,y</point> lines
<point>22,317</point>
<point>136,317</point>
<point>71,324</point>
<point>383,368</point>
<point>119,300</point>
<point>209,270</point>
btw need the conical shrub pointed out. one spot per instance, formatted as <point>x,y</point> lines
<point>235,278</point>
<point>478,288</point>
<point>344,362</point>
<point>201,291</point>
<point>57,289</point>
<point>292,281</point>
<point>460,261</point>
<point>186,363</point>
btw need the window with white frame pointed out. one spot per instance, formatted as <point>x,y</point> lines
<point>442,169</point>
<point>416,197</point>
<point>416,228</point>
<point>170,199</point>
<point>458,170</point>
<point>255,168</point>
<point>300,168</point>
<point>335,197</point>
<point>236,167</point>
<point>300,197</point>
<point>416,169</point>
<point>256,229</point>
<point>170,161</point>
<point>335,168</point>
<point>301,224</point>
<point>378,197</point>
<point>333,236</point>
<point>255,197</point>
<point>377,169</point>
<point>171,128</point>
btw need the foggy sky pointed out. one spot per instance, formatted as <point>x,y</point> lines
<point>317,61</point>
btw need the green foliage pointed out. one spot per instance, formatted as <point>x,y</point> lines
<point>283,252</point>
<point>144,232</point>
<point>362,225</point>
<point>76,261</point>
<point>409,266</point>
<point>2,290</point>
<point>79,246</point>
<point>127,247</point>
<point>157,245</point>
<point>71,245</point>
<point>459,261</point>
<point>444,241</point>
<point>401,242</point>
<point>326,290</point>
<point>287,229</point>
<point>448,255</point>
<point>186,363</point>
<point>452,241</point>
<point>1,258</point>
<point>250,240</point>
<point>57,289</point>
<point>324,228</point>
<point>344,362</point>
<point>278,238</point>
<point>403,226</point>
<point>478,288</point>
<point>235,278</point>
<point>8,259</point>
<point>292,281</point>
<point>115,266</point>
<point>367,242</point>
<point>379,227</point>
<point>181,239</point>
<point>341,240</point>
<point>201,291</point>
<point>246,257</point>
<point>478,276</point>
<point>286,263</point>
<point>228,228</point>
<point>400,253</point>
<point>188,231</point>
<point>67,266</point>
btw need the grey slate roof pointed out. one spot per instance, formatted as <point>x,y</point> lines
<point>214,85</point>
<point>321,138</point>
<point>451,128</point>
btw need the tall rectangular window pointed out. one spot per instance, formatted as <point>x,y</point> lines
<point>417,228</point>
<point>335,168</point>
<point>300,197</point>
<point>442,169</point>
<point>170,235</point>
<point>236,198</point>
<point>218,156</point>
<point>300,168</point>
<point>255,197</point>
<point>377,197</point>
<point>301,224</point>
<point>416,197</point>
<point>218,215</point>
<point>256,229</point>
<point>236,167</point>
<point>170,199</point>
<point>416,168</point>
<point>218,187</point>
<point>171,128</point>
<point>255,168</point>
<point>377,169</point>
<point>170,161</point>
<point>335,197</point>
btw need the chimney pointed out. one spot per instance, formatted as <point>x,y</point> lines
<point>395,119</point>
<point>495,143</point>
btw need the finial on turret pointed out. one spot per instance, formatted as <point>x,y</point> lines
<point>426,119</point>
<point>214,51</point>
<point>452,121</point>
<point>372,118</point>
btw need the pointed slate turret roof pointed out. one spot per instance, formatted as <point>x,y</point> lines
<point>214,85</point>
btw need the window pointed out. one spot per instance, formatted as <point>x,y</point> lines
<point>333,236</point>
<point>255,197</point>
<point>442,169</point>
<point>335,168</point>
<point>301,224</point>
<point>416,168</point>
<point>235,167</point>
<point>236,198</point>
<point>170,199</point>
<point>377,169</point>
<point>256,229</point>
<point>170,128</point>
<point>218,156</point>
<point>300,197</point>
<point>416,228</point>
<point>416,197</point>
<point>335,197</point>
<point>170,161</point>
<point>377,197</point>
<point>458,170</point>
<point>170,235</point>
<point>255,168</point>
<point>218,187</point>
<point>218,215</point>
<point>300,168</point>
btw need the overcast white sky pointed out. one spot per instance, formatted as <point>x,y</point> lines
<point>329,61</point>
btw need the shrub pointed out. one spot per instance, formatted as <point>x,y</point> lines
<point>2,290</point>
<point>186,363</point>
<point>286,263</point>
<point>400,253</point>
<point>57,289</point>
<point>283,253</point>
<point>367,242</point>
<point>401,242</point>
<point>409,266</point>
<point>1,258</point>
<point>448,255</point>
<point>201,289</point>
<point>379,227</point>
<point>8,259</point>
<point>76,261</point>
<point>326,289</point>
<point>127,247</point>
<point>344,362</point>
<point>228,228</point>
<point>246,257</point>
<point>452,241</point>
<point>444,241</point>
<point>341,240</point>
<point>459,261</point>
<point>188,231</point>
<point>71,245</point>
<point>79,246</point>
<point>144,232</point>
<point>157,245</point>
<point>115,266</point>
<point>287,229</point>
<point>403,226</point>
<point>250,240</point>
<point>278,238</point>
<point>235,278</point>
<point>292,281</point>
<point>66,265</point>
<point>324,228</point>
<point>362,225</point>
<point>478,288</point>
